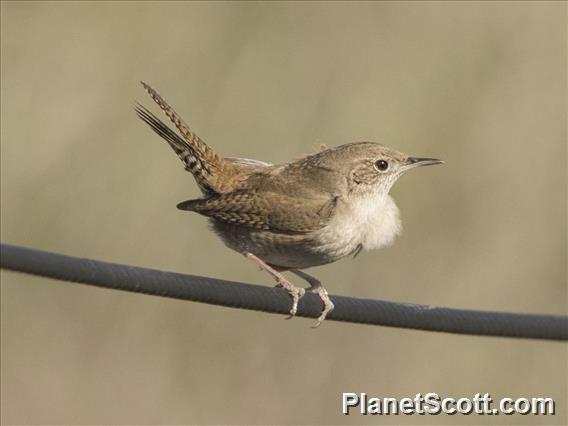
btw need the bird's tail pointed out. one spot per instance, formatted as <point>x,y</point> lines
<point>211,171</point>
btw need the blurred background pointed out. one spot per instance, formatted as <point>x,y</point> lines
<point>480,85</point>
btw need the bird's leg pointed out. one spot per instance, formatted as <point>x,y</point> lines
<point>296,293</point>
<point>316,287</point>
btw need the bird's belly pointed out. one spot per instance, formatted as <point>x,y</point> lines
<point>369,226</point>
<point>287,251</point>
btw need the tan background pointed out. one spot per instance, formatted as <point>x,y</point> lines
<point>481,85</point>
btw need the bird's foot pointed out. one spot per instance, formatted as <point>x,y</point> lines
<point>296,293</point>
<point>317,287</point>
<point>328,305</point>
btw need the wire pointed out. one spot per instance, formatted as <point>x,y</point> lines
<point>276,300</point>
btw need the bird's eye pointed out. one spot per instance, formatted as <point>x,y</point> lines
<point>381,165</point>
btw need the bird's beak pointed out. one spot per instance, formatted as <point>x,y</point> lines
<point>413,162</point>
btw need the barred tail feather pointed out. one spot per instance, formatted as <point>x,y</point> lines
<point>195,141</point>
<point>211,171</point>
<point>184,150</point>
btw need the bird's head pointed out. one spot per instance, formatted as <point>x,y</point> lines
<point>371,168</point>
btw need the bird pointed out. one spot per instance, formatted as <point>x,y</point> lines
<point>312,211</point>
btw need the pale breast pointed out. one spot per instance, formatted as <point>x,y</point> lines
<point>370,222</point>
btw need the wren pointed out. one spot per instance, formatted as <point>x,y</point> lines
<point>288,217</point>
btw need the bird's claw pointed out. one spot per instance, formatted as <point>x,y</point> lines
<point>296,293</point>
<point>328,305</point>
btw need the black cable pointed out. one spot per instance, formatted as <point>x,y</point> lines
<point>275,300</point>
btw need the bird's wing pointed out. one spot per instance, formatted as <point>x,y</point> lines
<point>266,210</point>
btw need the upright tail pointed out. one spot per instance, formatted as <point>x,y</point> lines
<point>211,171</point>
